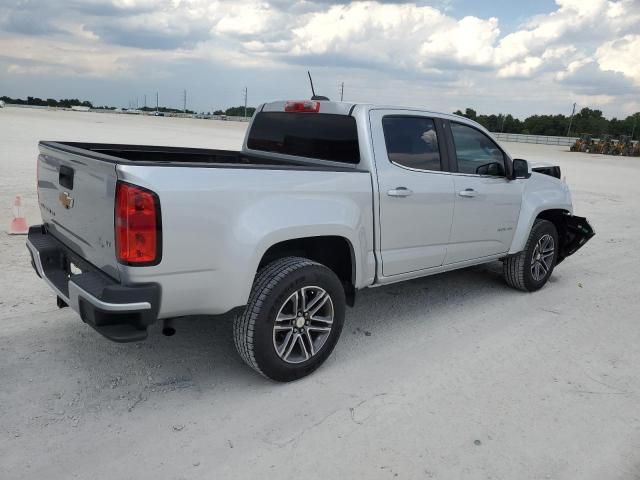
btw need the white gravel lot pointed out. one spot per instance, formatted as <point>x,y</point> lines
<point>454,376</point>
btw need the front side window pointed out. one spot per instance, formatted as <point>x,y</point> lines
<point>477,154</point>
<point>412,142</point>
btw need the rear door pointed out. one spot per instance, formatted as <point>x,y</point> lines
<point>415,191</point>
<point>76,192</point>
<point>487,203</point>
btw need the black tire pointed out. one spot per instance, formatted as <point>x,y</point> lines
<point>518,268</point>
<point>254,328</point>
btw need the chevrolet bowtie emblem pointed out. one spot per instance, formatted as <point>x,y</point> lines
<point>66,200</point>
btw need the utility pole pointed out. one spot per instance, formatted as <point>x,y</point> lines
<point>573,111</point>
<point>342,91</point>
<point>633,130</point>
<point>245,101</point>
<point>184,101</point>
<point>156,101</point>
<point>145,101</point>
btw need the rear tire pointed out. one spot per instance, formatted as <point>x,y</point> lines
<point>530,269</point>
<point>293,319</point>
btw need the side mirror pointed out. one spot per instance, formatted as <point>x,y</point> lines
<point>521,169</point>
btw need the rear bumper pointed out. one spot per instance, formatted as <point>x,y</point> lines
<point>120,313</point>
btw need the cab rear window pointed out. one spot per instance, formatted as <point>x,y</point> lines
<point>311,135</point>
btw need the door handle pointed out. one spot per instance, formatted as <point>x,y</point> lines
<point>400,192</point>
<point>468,192</point>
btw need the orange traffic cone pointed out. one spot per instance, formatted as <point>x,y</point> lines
<point>18,225</point>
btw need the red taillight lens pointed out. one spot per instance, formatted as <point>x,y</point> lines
<point>308,106</point>
<point>137,224</point>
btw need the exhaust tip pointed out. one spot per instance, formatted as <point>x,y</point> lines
<point>168,329</point>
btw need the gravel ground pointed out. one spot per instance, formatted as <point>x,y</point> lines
<point>452,376</point>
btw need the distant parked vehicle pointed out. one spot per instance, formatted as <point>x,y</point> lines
<point>1,103</point>
<point>624,146</point>
<point>158,114</point>
<point>605,145</point>
<point>583,144</point>
<point>324,199</point>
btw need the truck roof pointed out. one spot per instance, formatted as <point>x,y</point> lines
<point>347,108</point>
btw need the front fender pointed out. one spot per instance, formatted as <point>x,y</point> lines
<point>541,193</point>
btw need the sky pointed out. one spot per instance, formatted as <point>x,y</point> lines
<point>501,56</point>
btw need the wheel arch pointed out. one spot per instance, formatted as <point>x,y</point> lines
<point>333,251</point>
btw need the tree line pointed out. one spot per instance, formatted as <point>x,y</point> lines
<point>584,121</point>
<point>74,102</point>
<point>49,102</point>
<point>236,112</point>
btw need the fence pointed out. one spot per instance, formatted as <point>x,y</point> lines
<point>541,139</point>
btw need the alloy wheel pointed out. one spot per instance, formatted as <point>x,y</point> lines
<point>542,257</point>
<point>303,324</point>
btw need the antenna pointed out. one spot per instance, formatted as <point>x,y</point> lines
<point>313,92</point>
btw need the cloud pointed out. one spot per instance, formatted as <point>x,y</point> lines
<point>521,69</point>
<point>621,56</point>
<point>586,47</point>
<point>588,78</point>
<point>62,58</point>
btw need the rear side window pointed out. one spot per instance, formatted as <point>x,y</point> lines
<point>312,135</point>
<point>412,142</point>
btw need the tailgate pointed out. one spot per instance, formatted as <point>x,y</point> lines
<point>76,193</point>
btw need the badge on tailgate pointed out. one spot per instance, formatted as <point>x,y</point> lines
<point>66,200</point>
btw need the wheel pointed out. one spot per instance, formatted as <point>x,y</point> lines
<point>530,269</point>
<point>293,319</point>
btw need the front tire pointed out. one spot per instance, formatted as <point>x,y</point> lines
<point>293,319</point>
<point>530,269</point>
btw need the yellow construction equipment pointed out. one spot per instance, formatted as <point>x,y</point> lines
<point>636,149</point>
<point>583,144</point>
<point>624,146</point>
<point>604,146</point>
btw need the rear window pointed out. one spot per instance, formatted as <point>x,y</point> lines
<point>321,136</point>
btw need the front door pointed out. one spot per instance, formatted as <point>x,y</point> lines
<point>487,204</point>
<point>415,191</point>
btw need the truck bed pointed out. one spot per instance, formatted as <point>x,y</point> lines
<point>158,155</point>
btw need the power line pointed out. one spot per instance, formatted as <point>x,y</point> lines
<point>245,101</point>
<point>573,111</point>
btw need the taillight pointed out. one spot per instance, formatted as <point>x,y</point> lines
<point>137,225</point>
<point>302,106</point>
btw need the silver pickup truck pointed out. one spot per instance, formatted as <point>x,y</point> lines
<point>324,199</point>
